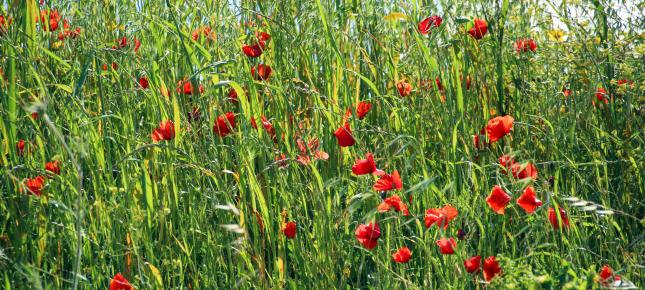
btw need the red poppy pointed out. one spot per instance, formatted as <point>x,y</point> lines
<point>566,92</point>
<point>137,45</point>
<point>54,18</point>
<point>404,88</point>
<point>607,275</point>
<point>35,185</point>
<point>232,95</point>
<point>498,199</point>
<point>479,29</point>
<point>499,127</point>
<point>366,166</point>
<point>185,86</point>
<point>344,136</point>
<point>252,50</point>
<point>461,78</point>
<point>115,66</point>
<point>281,160</point>
<point>389,182</point>
<point>261,72</point>
<point>506,161</point>
<point>447,246</point>
<point>438,82</point>
<point>368,234</point>
<point>362,109</point>
<point>402,255</point>
<point>122,42</point>
<point>394,202</point>
<point>477,139</point>
<point>120,283</point>
<point>601,93</point>
<point>289,230</point>
<point>34,115</point>
<point>53,167</point>
<point>311,147</point>
<point>529,171</point>
<point>267,126</point>
<point>225,124</point>
<point>143,83</point>
<point>4,24</point>
<point>528,201</point>
<point>473,264</point>
<point>20,147</point>
<point>206,31</point>
<point>491,268</point>
<point>555,222</point>
<point>165,131</point>
<point>525,45</point>
<point>426,25</point>
<point>440,216</point>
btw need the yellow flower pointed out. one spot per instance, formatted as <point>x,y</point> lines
<point>395,16</point>
<point>556,35</point>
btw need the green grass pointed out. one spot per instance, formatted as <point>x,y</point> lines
<point>205,212</point>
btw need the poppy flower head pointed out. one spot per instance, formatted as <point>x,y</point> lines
<point>498,199</point>
<point>225,124</point>
<point>394,202</point>
<point>499,127</point>
<point>185,87</point>
<point>479,29</point>
<point>366,166</point>
<point>522,172</point>
<point>525,45</point>
<point>368,235</point>
<point>252,50</point>
<point>426,25</point>
<point>491,268</point>
<point>506,161</point>
<point>437,81</point>
<point>389,182</point>
<point>232,96</point>
<point>53,167</point>
<point>566,92</point>
<point>289,230</point>
<point>120,283</point>
<point>4,24</point>
<point>137,44</point>
<point>606,276</point>
<point>165,131</point>
<point>440,216</point>
<point>404,88</point>
<point>402,255</point>
<point>20,147</point>
<point>122,42</point>
<point>555,221</point>
<point>269,128</point>
<point>261,72</point>
<point>35,185</point>
<point>362,109</point>
<point>344,136</point>
<point>447,246</point>
<point>473,264</point>
<point>601,93</point>
<point>143,83</point>
<point>50,19</point>
<point>528,201</point>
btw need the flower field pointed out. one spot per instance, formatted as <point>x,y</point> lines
<point>183,144</point>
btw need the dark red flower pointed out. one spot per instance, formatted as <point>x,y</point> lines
<point>120,283</point>
<point>402,255</point>
<point>20,147</point>
<point>289,230</point>
<point>35,185</point>
<point>404,88</point>
<point>362,109</point>
<point>123,42</point>
<point>50,19</point>
<point>252,50</point>
<point>607,275</point>
<point>439,86</point>
<point>491,268</point>
<point>555,221</point>
<point>344,136</point>
<point>261,72</point>
<point>165,131</point>
<point>447,246</point>
<point>394,202</point>
<point>143,83</point>
<point>53,167</point>
<point>267,126</point>
<point>194,115</point>
<point>232,96</point>
<point>426,25</point>
<point>368,235</point>
<point>525,45</point>
<point>473,264</point>
<point>498,199</point>
<point>389,182</point>
<point>440,216</point>
<point>366,166</point>
<point>479,29</point>
<point>225,124</point>
<point>528,201</point>
<point>499,127</point>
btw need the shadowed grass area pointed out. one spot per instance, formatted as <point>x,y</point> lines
<point>190,205</point>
